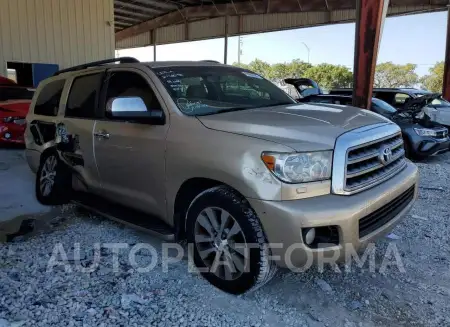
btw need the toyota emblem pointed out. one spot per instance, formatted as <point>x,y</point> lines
<point>385,156</point>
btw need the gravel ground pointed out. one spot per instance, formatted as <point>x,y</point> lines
<point>420,296</point>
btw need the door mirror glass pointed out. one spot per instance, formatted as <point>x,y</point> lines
<point>127,104</point>
<point>134,109</point>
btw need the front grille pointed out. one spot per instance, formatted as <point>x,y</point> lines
<point>366,165</point>
<point>385,214</point>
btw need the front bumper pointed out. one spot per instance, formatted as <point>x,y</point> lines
<point>431,146</point>
<point>283,220</point>
<point>12,133</point>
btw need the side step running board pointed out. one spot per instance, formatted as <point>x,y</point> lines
<point>130,217</point>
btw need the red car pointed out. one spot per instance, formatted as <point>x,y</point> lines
<point>14,104</point>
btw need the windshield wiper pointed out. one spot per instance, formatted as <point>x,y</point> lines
<point>220,111</point>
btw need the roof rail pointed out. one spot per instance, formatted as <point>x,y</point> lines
<point>122,60</point>
<point>214,61</point>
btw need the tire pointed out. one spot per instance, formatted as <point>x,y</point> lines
<point>58,181</point>
<point>223,209</point>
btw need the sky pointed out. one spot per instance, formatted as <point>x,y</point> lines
<point>417,39</point>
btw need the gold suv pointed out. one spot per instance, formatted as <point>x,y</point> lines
<point>221,157</point>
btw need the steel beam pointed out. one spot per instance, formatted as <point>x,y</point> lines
<point>370,16</point>
<point>446,82</point>
<point>225,50</point>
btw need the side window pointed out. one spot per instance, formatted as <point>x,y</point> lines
<point>83,96</point>
<point>130,86</point>
<point>47,102</point>
<point>388,97</point>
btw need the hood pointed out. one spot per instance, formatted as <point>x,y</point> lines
<point>14,107</point>
<point>303,127</point>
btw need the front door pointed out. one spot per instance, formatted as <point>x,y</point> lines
<point>130,155</point>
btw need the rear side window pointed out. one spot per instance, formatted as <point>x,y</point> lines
<point>47,103</point>
<point>15,93</point>
<point>83,96</point>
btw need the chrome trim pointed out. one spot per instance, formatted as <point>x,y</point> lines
<point>376,166</point>
<point>373,154</point>
<point>361,136</point>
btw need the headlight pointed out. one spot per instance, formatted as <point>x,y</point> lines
<point>425,132</point>
<point>299,167</point>
<point>10,119</point>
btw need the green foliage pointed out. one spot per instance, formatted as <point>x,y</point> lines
<point>326,75</point>
<point>389,74</point>
<point>330,76</point>
<point>433,82</point>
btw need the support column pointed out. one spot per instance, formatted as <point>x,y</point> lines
<point>446,82</point>
<point>225,50</point>
<point>370,17</point>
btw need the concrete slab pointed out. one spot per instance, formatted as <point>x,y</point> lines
<point>17,196</point>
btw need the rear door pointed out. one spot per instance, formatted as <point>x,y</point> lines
<point>75,132</point>
<point>130,155</point>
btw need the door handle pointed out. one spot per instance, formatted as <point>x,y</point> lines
<point>102,134</point>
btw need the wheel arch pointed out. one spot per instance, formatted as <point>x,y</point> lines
<point>187,192</point>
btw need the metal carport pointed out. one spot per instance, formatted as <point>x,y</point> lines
<point>155,22</point>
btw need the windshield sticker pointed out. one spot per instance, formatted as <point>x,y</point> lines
<point>188,106</point>
<point>165,74</point>
<point>252,75</point>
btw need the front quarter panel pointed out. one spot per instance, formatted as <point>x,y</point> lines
<point>194,151</point>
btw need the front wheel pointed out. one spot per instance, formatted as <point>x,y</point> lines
<point>228,242</point>
<point>53,181</point>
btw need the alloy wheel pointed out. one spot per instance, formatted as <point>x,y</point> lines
<point>221,243</point>
<point>48,173</point>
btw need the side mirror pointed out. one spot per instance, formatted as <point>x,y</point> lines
<point>135,110</point>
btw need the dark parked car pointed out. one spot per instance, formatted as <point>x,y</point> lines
<point>422,137</point>
<point>438,110</point>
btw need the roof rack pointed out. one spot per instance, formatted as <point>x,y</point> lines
<point>122,60</point>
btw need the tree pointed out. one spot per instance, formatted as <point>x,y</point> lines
<point>389,74</point>
<point>330,76</point>
<point>240,65</point>
<point>433,82</point>
<point>260,67</point>
<point>279,72</point>
<point>297,68</point>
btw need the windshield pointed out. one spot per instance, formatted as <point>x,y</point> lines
<point>381,107</point>
<point>209,90</point>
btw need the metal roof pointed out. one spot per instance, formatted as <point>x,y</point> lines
<point>136,19</point>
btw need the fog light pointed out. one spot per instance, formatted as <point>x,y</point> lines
<point>309,235</point>
<point>7,135</point>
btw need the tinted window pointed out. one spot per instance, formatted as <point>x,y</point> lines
<point>83,96</point>
<point>47,103</point>
<point>212,89</point>
<point>388,97</point>
<point>381,107</point>
<point>129,84</point>
<point>15,93</point>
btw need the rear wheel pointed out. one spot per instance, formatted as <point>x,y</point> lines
<point>228,243</point>
<point>53,181</point>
